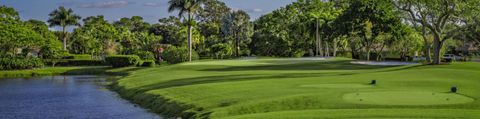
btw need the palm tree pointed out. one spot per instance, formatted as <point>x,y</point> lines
<point>190,8</point>
<point>63,17</point>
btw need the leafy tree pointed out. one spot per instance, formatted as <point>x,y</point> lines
<point>319,14</point>
<point>212,12</point>
<point>209,23</point>
<point>134,24</point>
<point>444,19</point>
<point>368,19</point>
<point>273,33</point>
<point>190,8</point>
<point>168,28</point>
<point>8,12</point>
<point>96,36</point>
<point>236,26</point>
<point>21,39</point>
<point>63,17</point>
<point>52,49</point>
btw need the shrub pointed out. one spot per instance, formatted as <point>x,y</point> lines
<point>177,55</point>
<point>145,55</point>
<point>74,62</point>
<point>123,60</point>
<point>344,54</point>
<point>85,63</point>
<point>299,53</point>
<point>20,63</point>
<point>222,51</point>
<point>79,57</point>
<point>149,63</point>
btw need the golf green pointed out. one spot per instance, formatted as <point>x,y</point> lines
<point>406,98</point>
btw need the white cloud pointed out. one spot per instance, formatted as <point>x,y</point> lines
<point>107,4</point>
<point>151,4</point>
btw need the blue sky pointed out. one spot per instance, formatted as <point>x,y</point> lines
<point>151,10</point>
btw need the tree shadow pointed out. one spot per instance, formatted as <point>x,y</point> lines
<point>232,78</point>
<point>101,71</point>
<point>329,65</point>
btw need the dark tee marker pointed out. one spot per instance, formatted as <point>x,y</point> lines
<point>454,89</point>
<point>374,82</point>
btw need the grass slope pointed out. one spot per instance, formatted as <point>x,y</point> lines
<point>302,88</point>
<point>47,71</point>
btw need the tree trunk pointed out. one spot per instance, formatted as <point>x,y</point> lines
<point>317,48</point>
<point>237,46</point>
<point>427,52</point>
<point>320,46</point>
<point>334,48</point>
<point>353,52</point>
<point>427,45</point>
<point>437,47</point>
<point>189,38</point>
<point>368,54</point>
<point>327,50</point>
<point>64,33</point>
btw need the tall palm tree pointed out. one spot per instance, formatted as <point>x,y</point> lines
<point>63,17</point>
<point>190,8</point>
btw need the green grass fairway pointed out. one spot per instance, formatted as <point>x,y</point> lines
<point>406,98</point>
<point>303,88</point>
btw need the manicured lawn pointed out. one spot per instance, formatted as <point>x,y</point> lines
<point>304,88</point>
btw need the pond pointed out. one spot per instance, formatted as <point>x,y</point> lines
<point>61,97</point>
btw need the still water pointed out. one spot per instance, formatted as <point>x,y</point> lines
<point>64,97</point>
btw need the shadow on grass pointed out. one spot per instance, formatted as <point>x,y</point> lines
<point>329,65</point>
<point>102,71</point>
<point>231,78</point>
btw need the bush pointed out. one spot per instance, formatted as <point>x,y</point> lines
<point>79,57</point>
<point>222,51</point>
<point>149,63</point>
<point>123,60</point>
<point>175,55</point>
<point>344,54</point>
<point>84,63</point>
<point>74,62</point>
<point>145,55</point>
<point>299,53</point>
<point>20,63</point>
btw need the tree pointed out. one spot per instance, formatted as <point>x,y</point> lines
<point>63,17</point>
<point>96,36</point>
<point>444,19</point>
<point>167,28</point>
<point>134,24</point>
<point>319,14</point>
<point>190,8</point>
<point>52,49</point>
<point>236,25</point>
<point>25,39</point>
<point>8,12</point>
<point>212,12</point>
<point>368,19</point>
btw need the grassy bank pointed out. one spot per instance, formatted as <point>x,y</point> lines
<point>302,88</point>
<point>48,71</point>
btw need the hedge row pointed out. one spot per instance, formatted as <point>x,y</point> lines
<point>79,57</point>
<point>20,63</point>
<point>149,63</point>
<point>145,55</point>
<point>123,60</point>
